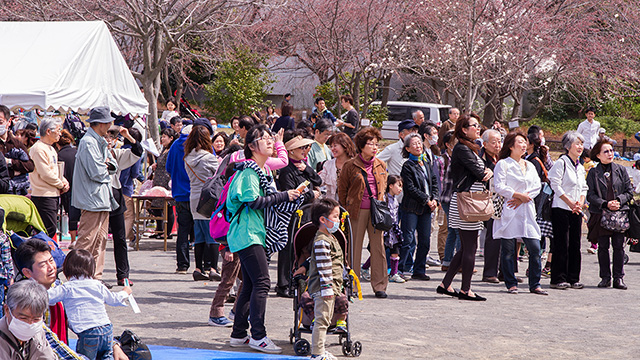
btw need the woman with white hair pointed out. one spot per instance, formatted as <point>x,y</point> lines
<point>22,326</point>
<point>567,178</point>
<point>46,181</point>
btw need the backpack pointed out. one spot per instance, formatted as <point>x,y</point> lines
<point>212,189</point>
<point>56,252</point>
<point>221,217</point>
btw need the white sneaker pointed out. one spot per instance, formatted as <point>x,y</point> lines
<point>326,356</point>
<point>433,262</point>
<point>396,278</point>
<point>265,345</point>
<point>240,343</point>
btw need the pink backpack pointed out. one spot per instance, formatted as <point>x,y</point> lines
<point>220,219</point>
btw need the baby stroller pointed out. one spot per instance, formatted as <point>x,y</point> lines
<point>301,232</point>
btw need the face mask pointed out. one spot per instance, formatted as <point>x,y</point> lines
<point>434,140</point>
<point>334,227</point>
<point>214,128</point>
<point>22,330</point>
<point>3,129</point>
<point>543,141</point>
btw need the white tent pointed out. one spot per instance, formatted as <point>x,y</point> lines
<point>65,65</point>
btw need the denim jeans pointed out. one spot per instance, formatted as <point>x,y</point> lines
<point>453,239</point>
<point>508,261</point>
<point>410,223</point>
<point>96,343</point>
<point>185,228</point>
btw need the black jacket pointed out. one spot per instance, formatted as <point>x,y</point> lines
<point>290,178</point>
<point>622,190</point>
<point>466,168</point>
<point>4,176</point>
<point>415,197</point>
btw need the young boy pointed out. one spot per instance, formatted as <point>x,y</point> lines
<point>325,273</point>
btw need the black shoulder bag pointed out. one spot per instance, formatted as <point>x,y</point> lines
<point>380,214</point>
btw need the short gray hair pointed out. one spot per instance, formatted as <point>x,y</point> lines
<point>28,294</point>
<point>48,123</point>
<point>571,137</point>
<point>407,143</point>
<point>488,132</point>
<point>415,113</point>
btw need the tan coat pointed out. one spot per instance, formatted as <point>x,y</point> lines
<point>39,348</point>
<point>351,184</point>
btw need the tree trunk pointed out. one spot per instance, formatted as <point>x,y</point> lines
<point>179,92</point>
<point>386,84</point>
<point>356,89</point>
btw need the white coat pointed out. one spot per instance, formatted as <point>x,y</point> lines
<point>509,179</point>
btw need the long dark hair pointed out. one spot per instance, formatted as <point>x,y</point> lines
<point>199,136</point>
<point>253,135</point>
<point>463,123</point>
<point>509,141</point>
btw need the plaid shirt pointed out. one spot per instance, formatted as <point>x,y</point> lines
<point>62,351</point>
<point>447,182</point>
<point>6,268</point>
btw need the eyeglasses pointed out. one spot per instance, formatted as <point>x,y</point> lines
<point>305,147</point>
<point>372,144</point>
<point>477,126</point>
<point>266,138</point>
<point>607,151</point>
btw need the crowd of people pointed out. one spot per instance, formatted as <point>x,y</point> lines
<point>275,165</point>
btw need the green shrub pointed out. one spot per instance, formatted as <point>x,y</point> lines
<point>377,114</point>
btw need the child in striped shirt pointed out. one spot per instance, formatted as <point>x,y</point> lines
<point>326,271</point>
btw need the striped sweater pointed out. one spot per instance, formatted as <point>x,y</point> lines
<point>327,266</point>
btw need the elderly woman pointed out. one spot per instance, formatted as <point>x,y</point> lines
<point>343,150</point>
<point>517,180</point>
<point>609,188</point>
<point>468,175</point>
<point>46,181</point>
<point>418,204</point>
<point>567,179</point>
<point>365,170</point>
<point>201,164</point>
<point>22,324</point>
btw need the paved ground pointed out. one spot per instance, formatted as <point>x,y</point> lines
<point>414,322</point>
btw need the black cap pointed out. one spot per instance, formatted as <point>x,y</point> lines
<point>407,124</point>
<point>203,122</point>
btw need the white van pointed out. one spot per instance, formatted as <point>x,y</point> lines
<point>402,110</point>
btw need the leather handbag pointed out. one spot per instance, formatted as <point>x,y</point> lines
<point>616,221</point>
<point>475,205</point>
<point>380,214</point>
<point>498,203</point>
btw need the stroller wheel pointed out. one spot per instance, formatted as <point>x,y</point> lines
<point>291,336</point>
<point>302,347</point>
<point>357,349</point>
<point>346,348</point>
<point>626,258</point>
<point>341,338</point>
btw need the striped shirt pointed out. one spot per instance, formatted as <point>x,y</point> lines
<point>327,265</point>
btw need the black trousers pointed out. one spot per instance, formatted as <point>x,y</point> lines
<point>284,267</point>
<point>120,254</point>
<point>185,229</point>
<point>491,252</point>
<point>48,210</point>
<point>616,240</point>
<point>567,231</point>
<point>252,300</point>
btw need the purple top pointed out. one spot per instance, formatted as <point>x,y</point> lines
<point>371,180</point>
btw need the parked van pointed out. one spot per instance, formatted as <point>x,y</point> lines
<point>402,110</point>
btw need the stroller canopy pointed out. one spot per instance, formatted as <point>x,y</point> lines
<point>65,66</point>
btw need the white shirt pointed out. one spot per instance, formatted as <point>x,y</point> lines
<point>590,133</point>
<point>521,221</point>
<point>568,179</point>
<point>329,176</point>
<point>392,155</point>
<point>84,300</point>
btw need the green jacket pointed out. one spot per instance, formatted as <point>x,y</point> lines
<point>249,228</point>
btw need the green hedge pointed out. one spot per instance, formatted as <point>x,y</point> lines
<point>612,124</point>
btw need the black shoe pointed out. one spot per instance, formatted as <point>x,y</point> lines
<point>121,282</point>
<point>604,283</point>
<point>381,294</point>
<point>476,297</point>
<point>214,275</point>
<point>197,275</point>
<point>619,284</point>
<point>443,291</point>
<point>109,286</point>
<point>424,277</point>
<point>280,292</point>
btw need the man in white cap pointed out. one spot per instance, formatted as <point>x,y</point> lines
<point>92,186</point>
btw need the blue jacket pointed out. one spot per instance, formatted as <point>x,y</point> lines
<point>127,175</point>
<point>180,188</point>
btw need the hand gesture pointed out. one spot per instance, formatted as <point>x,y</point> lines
<point>278,137</point>
<point>127,289</point>
<point>514,203</point>
<point>613,205</point>
<point>488,174</point>
<point>228,256</point>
